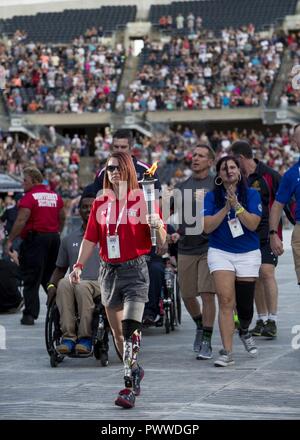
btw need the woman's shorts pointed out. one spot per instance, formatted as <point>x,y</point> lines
<point>124,282</point>
<point>244,264</point>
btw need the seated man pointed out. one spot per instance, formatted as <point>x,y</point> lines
<point>83,294</point>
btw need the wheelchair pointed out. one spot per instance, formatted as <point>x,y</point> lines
<point>100,330</point>
<point>170,301</point>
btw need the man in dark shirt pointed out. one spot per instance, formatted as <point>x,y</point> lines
<point>193,273</point>
<point>122,141</point>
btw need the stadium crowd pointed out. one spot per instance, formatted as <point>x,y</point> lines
<point>60,164</point>
<point>191,73</point>
<point>80,77</point>
<point>290,95</point>
<point>173,148</point>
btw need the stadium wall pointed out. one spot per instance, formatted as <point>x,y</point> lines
<point>9,8</point>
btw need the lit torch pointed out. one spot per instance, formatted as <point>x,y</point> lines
<point>149,194</point>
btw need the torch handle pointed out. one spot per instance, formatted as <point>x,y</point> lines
<point>153,236</point>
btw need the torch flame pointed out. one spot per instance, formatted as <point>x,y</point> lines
<point>152,169</point>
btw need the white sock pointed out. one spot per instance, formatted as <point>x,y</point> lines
<point>273,317</point>
<point>263,317</point>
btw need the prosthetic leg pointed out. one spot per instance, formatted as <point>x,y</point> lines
<point>133,373</point>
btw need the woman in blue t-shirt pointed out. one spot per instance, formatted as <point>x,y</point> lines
<point>232,214</point>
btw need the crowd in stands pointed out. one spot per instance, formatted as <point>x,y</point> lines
<point>193,24</point>
<point>236,71</point>
<point>291,95</point>
<point>191,72</point>
<point>81,77</point>
<point>59,164</point>
<point>173,149</point>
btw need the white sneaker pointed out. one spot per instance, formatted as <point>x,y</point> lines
<point>225,360</point>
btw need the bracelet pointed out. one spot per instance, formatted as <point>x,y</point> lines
<point>78,266</point>
<point>51,285</point>
<point>240,210</point>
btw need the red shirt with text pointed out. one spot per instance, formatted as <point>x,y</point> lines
<point>44,206</point>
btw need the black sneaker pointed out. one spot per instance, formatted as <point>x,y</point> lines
<point>137,376</point>
<point>257,330</point>
<point>198,340</point>
<point>27,320</point>
<point>125,399</point>
<point>205,350</point>
<point>270,329</point>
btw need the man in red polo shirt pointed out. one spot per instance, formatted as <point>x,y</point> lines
<point>40,218</point>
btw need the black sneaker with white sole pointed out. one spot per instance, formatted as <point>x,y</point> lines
<point>205,350</point>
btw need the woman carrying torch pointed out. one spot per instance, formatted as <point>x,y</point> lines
<point>120,224</point>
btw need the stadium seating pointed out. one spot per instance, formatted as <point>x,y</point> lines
<point>63,27</point>
<point>218,14</point>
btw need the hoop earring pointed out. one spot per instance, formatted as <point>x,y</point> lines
<point>217,182</point>
<point>240,177</point>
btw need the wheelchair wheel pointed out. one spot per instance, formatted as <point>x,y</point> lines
<point>177,303</point>
<point>101,347</point>
<point>101,354</point>
<point>172,314</point>
<point>53,360</point>
<point>53,334</point>
<point>104,359</point>
<point>167,321</point>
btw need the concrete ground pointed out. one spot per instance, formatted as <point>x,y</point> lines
<point>176,385</point>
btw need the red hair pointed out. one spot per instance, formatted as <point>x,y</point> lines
<point>127,171</point>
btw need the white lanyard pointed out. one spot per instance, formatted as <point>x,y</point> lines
<point>119,218</point>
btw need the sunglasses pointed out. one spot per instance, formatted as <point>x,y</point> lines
<point>112,168</point>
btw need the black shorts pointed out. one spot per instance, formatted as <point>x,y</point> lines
<point>267,256</point>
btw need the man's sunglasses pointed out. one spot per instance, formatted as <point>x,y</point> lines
<point>112,168</point>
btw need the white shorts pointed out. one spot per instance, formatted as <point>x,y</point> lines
<point>244,265</point>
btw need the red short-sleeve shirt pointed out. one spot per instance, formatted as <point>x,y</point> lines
<point>133,231</point>
<point>44,206</point>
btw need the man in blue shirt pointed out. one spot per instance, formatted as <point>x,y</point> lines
<point>289,188</point>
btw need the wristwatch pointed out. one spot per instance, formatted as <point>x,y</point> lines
<point>272,232</point>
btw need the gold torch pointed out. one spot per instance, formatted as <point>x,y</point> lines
<point>149,194</point>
